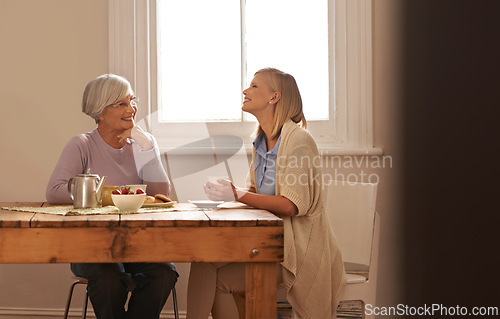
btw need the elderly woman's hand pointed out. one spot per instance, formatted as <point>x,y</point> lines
<point>226,191</point>
<point>139,136</point>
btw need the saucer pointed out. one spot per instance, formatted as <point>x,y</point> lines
<point>206,203</point>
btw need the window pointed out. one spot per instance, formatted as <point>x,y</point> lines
<point>213,56</point>
<point>344,126</point>
<point>199,56</point>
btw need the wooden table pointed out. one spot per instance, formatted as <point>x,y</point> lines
<point>224,235</point>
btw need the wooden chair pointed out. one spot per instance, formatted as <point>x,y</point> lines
<point>83,281</point>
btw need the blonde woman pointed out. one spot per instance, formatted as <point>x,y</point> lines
<point>282,181</point>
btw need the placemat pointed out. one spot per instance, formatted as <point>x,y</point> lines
<point>69,210</point>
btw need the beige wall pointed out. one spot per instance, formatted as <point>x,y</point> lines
<point>51,49</point>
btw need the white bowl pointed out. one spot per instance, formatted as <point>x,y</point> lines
<point>128,203</point>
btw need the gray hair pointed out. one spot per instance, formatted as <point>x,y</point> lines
<point>102,91</point>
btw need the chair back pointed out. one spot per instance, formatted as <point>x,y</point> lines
<point>351,211</point>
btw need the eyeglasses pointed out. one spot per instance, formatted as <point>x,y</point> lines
<point>122,105</point>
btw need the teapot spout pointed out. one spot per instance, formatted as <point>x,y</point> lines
<point>98,193</point>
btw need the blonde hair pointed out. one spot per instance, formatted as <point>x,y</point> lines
<point>102,91</point>
<point>289,105</point>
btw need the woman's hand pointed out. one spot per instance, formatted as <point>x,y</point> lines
<point>279,205</point>
<point>126,134</point>
<point>226,191</point>
<point>138,135</point>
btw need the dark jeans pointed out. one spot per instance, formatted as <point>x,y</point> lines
<point>109,284</point>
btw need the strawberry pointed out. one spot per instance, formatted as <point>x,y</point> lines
<point>125,191</point>
<point>116,192</point>
<point>139,191</point>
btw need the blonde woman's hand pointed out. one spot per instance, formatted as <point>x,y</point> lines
<point>224,191</point>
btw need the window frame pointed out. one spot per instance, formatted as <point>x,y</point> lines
<point>132,53</point>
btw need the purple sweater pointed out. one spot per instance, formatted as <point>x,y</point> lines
<point>128,165</point>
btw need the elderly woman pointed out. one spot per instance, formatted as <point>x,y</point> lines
<point>282,182</point>
<point>126,154</point>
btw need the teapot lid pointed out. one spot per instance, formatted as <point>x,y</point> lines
<point>88,174</point>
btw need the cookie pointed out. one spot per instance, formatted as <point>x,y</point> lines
<point>149,200</point>
<point>162,198</point>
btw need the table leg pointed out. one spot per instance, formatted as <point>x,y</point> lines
<point>261,295</point>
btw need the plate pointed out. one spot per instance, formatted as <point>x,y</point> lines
<point>163,205</point>
<point>234,205</point>
<point>206,203</point>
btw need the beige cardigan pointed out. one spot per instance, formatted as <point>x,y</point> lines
<point>313,271</point>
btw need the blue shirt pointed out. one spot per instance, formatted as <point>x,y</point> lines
<point>265,165</point>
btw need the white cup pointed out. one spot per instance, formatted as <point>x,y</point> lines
<point>214,179</point>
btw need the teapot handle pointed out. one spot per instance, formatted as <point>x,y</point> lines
<point>69,188</point>
<point>100,186</point>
